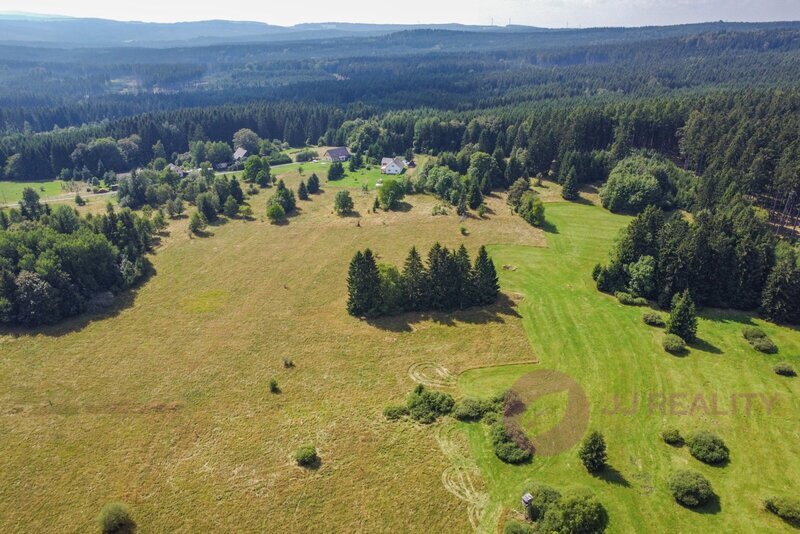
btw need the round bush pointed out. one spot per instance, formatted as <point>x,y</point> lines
<point>672,437</point>
<point>690,488</point>
<point>306,456</point>
<point>395,412</point>
<point>575,512</point>
<point>544,497</point>
<point>707,447</point>
<point>673,344</point>
<point>784,369</point>
<point>753,332</point>
<point>468,410</point>
<point>764,345</point>
<point>115,519</point>
<point>653,319</point>
<point>787,508</point>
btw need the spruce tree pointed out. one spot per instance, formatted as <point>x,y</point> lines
<point>780,300</point>
<point>363,285</point>
<point>569,189</point>
<point>236,191</point>
<point>474,195</point>
<point>463,278</point>
<point>593,452</point>
<point>302,191</point>
<point>683,318</point>
<point>313,184</point>
<point>485,282</point>
<point>415,282</point>
<point>438,276</point>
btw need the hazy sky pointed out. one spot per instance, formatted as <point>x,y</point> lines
<point>551,13</point>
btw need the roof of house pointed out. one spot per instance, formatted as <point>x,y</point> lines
<point>338,152</point>
<point>240,153</point>
<point>397,161</point>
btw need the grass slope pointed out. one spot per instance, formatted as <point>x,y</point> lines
<point>609,351</point>
<point>164,404</point>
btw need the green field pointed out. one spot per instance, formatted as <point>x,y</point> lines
<point>11,192</point>
<point>163,403</point>
<point>607,349</point>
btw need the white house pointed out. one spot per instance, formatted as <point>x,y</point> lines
<point>392,165</point>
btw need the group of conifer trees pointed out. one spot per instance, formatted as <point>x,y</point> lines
<point>448,281</point>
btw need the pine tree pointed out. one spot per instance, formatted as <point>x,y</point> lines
<point>485,282</point>
<point>780,301</point>
<point>593,452</point>
<point>363,285</point>
<point>302,191</point>
<point>569,189</point>
<point>313,184</point>
<point>683,318</point>
<point>415,282</point>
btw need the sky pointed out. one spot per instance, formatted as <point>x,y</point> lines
<point>547,13</point>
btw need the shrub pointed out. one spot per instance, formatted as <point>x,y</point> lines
<point>544,498</point>
<point>114,518</point>
<point>306,456</point>
<point>230,208</point>
<point>629,300</point>
<point>395,412</point>
<point>653,319</point>
<point>276,214</point>
<point>593,452</point>
<point>426,406</point>
<point>513,526</point>
<point>707,447</point>
<point>784,369</point>
<point>273,386</point>
<point>673,437</point>
<point>469,410</point>
<point>787,508</point>
<point>575,512</point>
<point>753,332</point>
<point>764,345</point>
<point>759,340</point>
<point>690,488</point>
<point>673,344</point>
<point>79,200</point>
<point>505,438</point>
<point>482,210</point>
<point>288,364</point>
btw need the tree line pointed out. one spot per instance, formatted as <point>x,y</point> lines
<point>447,281</point>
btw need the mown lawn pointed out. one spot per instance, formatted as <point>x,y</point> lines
<point>11,192</point>
<point>607,349</point>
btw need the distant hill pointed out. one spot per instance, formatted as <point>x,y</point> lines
<point>23,28</point>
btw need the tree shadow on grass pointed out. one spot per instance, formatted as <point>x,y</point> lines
<point>496,313</point>
<point>705,346</point>
<point>549,227</point>
<point>613,476</point>
<point>313,465</point>
<point>121,301</point>
<point>402,206</point>
<point>711,507</point>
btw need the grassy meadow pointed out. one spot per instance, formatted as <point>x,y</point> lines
<point>11,192</point>
<point>163,403</point>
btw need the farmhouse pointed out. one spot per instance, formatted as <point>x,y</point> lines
<point>239,154</point>
<point>337,154</point>
<point>392,165</point>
